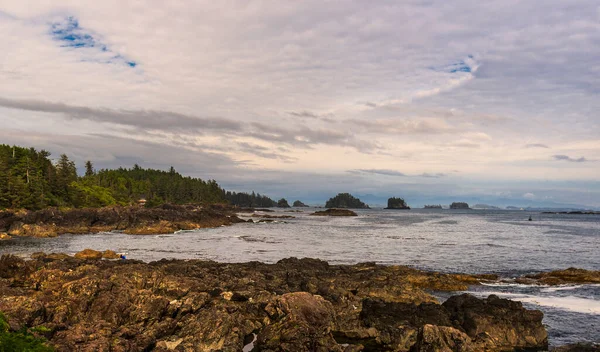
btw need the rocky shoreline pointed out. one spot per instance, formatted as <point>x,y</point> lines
<point>293,305</point>
<point>133,220</point>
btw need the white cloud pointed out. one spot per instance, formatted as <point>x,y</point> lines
<point>492,89</point>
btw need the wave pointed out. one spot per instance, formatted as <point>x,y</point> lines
<point>570,303</point>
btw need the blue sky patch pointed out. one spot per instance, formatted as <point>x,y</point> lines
<point>70,34</point>
<point>458,66</point>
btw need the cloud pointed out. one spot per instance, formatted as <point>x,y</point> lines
<point>312,85</point>
<point>568,158</point>
<point>381,172</point>
<point>312,115</point>
<point>181,123</point>
<point>433,175</point>
<point>536,145</point>
<point>529,195</point>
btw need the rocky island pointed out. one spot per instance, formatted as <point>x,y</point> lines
<point>459,205</point>
<point>397,203</point>
<point>283,203</point>
<point>429,206</point>
<point>345,200</point>
<point>293,305</point>
<point>299,204</point>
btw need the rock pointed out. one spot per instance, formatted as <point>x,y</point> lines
<point>268,216</point>
<point>335,212</point>
<point>292,305</point>
<point>299,204</point>
<point>459,205</point>
<point>303,322</point>
<point>52,222</point>
<point>4,236</point>
<point>432,338</point>
<point>108,254</point>
<point>282,203</point>
<point>88,254</point>
<point>560,277</point>
<point>578,347</point>
<point>498,323</point>
<point>397,203</point>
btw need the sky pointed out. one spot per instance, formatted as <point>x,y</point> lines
<point>493,102</point>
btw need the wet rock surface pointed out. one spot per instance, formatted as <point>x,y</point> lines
<point>335,212</point>
<point>167,218</point>
<point>293,305</point>
<point>560,277</point>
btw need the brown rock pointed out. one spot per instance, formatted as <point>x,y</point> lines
<point>88,254</point>
<point>567,276</point>
<point>433,338</point>
<point>335,212</point>
<point>303,322</point>
<point>4,236</point>
<point>108,254</point>
<point>498,323</point>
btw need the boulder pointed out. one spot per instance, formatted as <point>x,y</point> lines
<point>108,254</point>
<point>4,236</point>
<point>432,338</point>
<point>302,322</point>
<point>88,254</point>
<point>498,323</point>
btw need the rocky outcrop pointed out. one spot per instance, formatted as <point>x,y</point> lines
<point>88,254</point>
<point>283,203</point>
<point>299,204</point>
<point>132,220</point>
<point>334,212</point>
<point>345,200</point>
<point>294,305</point>
<point>499,323</point>
<point>559,277</point>
<point>397,203</point>
<point>578,347</point>
<point>459,205</point>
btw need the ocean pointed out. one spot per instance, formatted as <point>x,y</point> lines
<point>467,241</point>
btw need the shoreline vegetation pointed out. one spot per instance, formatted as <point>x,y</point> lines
<point>292,305</point>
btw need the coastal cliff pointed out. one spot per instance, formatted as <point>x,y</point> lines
<point>293,305</point>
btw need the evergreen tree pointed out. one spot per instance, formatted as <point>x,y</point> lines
<point>89,169</point>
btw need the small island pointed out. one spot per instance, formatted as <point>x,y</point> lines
<point>432,206</point>
<point>397,203</point>
<point>299,204</point>
<point>283,203</point>
<point>335,212</point>
<point>459,205</point>
<point>345,200</point>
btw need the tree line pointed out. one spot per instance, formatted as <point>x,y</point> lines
<point>29,179</point>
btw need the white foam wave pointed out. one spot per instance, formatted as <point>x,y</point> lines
<point>509,284</point>
<point>570,303</point>
<point>566,287</point>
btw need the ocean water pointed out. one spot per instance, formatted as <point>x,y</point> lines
<point>469,241</point>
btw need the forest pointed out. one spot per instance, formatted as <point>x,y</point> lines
<point>29,179</point>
